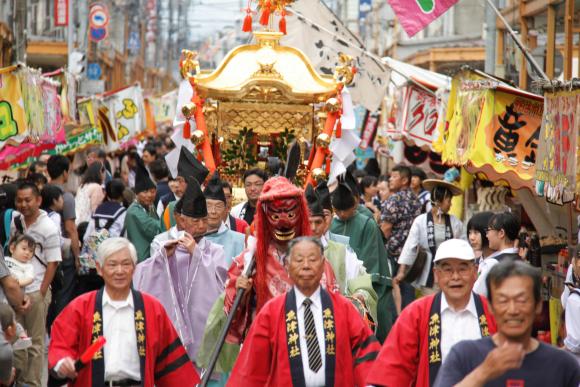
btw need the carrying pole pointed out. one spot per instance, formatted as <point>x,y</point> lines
<point>518,42</point>
<point>224,332</point>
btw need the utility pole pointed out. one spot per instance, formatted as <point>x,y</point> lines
<point>20,8</point>
<point>490,38</point>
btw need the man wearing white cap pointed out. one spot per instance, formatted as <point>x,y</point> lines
<point>427,329</point>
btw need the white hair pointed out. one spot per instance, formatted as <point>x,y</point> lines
<point>112,245</point>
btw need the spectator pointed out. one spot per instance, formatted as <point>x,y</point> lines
<point>571,304</point>
<point>369,189</point>
<point>7,196</point>
<point>37,167</point>
<point>234,224</point>
<point>384,191</point>
<point>502,233</point>
<point>35,222</point>
<point>397,216</point>
<point>160,174</point>
<point>22,248</point>
<point>476,234</point>
<point>254,180</point>
<point>7,335</point>
<point>149,155</point>
<point>39,179</point>
<point>417,177</point>
<point>98,154</point>
<point>90,194</point>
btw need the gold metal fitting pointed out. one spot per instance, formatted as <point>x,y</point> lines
<point>318,174</point>
<point>197,137</point>
<point>188,109</point>
<point>332,105</point>
<point>323,140</point>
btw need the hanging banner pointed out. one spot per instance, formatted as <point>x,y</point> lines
<point>126,114</point>
<point>13,124</point>
<point>492,129</point>
<point>508,136</point>
<point>556,169</point>
<point>78,142</point>
<point>419,116</point>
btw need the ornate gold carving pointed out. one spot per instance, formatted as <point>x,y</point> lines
<point>188,64</point>
<point>344,73</point>
<point>264,93</point>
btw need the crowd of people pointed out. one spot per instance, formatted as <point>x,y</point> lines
<point>366,281</point>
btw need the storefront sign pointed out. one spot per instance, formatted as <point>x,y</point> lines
<point>61,13</point>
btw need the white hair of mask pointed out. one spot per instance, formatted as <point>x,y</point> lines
<point>111,246</point>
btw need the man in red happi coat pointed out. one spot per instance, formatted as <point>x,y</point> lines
<point>281,215</point>
<point>427,329</point>
<point>307,336</point>
<point>142,348</point>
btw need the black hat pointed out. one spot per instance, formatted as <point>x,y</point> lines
<point>324,195</point>
<point>143,181</point>
<point>178,207</point>
<point>214,188</point>
<point>189,166</point>
<point>313,200</point>
<point>342,197</point>
<point>351,182</point>
<point>194,204</point>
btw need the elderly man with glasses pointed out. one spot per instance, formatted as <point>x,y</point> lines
<point>427,329</point>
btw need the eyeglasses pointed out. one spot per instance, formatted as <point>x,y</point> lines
<point>216,207</point>
<point>462,270</point>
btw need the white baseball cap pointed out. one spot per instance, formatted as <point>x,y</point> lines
<point>454,248</point>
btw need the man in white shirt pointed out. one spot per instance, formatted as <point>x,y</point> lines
<point>142,347</point>
<point>308,336</point>
<point>254,180</point>
<point>427,329</point>
<point>36,223</point>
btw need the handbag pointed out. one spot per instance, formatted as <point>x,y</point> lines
<point>417,268</point>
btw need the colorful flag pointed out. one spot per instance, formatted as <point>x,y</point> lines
<point>126,114</point>
<point>414,15</point>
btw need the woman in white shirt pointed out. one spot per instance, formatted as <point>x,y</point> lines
<point>428,231</point>
<point>476,234</point>
<point>571,304</point>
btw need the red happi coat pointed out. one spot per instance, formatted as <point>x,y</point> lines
<point>265,357</point>
<point>404,360</point>
<point>279,282</point>
<point>165,362</point>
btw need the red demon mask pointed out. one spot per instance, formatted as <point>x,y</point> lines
<point>283,217</point>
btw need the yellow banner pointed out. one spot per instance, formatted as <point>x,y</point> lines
<point>12,115</point>
<point>491,129</point>
<point>508,134</point>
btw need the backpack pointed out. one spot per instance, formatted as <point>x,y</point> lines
<point>88,254</point>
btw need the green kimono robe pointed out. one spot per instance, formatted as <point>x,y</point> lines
<point>367,242</point>
<point>335,253</point>
<point>142,226</point>
<point>362,209</point>
<point>168,218</point>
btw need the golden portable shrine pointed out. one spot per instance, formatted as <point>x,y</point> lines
<point>261,100</point>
